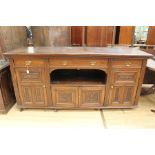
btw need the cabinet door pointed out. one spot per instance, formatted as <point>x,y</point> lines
<point>65,96</point>
<point>123,86</point>
<point>122,95</point>
<point>33,95</point>
<point>91,96</point>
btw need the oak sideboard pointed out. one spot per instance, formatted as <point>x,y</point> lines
<point>77,77</point>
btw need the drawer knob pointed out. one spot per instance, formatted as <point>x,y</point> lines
<point>128,64</point>
<point>43,86</point>
<point>92,63</point>
<point>27,63</point>
<point>112,86</point>
<point>64,63</point>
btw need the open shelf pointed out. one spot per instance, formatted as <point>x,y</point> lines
<point>74,76</point>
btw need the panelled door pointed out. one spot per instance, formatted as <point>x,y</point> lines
<point>123,86</point>
<point>32,86</point>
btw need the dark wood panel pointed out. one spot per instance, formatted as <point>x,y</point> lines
<point>77,35</point>
<point>99,35</point>
<point>151,36</point>
<point>51,35</point>
<point>110,33</point>
<point>126,35</point>
<point>96,36</point>
<point>7,96</point>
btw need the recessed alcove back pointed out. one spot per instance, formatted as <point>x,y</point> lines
<point>77,76</point>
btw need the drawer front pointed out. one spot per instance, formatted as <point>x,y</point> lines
<point>125,76</point>
<point>64,97</point>
<point>61,62</point>
<point>34,75</point>
<point>29,63</point>
<point>91,96</point>
<point>126,63</point>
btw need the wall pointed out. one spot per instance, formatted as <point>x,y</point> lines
<point>51,35</point>
<point>12,37</point>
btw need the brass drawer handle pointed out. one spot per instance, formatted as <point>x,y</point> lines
<point>128,64</point>
<point>27,63</point>
<point>92,63</point>
<point>64,62</point>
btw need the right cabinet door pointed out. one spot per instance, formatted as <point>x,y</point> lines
<point>123,86</point>
<point>91,96</point>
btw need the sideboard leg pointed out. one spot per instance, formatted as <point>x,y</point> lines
<point>55,110</point>
<point>21,109</point>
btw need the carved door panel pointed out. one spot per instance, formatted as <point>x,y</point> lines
<point>65,96</point>
<point>33,95</point>
<point>122,95</point>
<point>91,96</point>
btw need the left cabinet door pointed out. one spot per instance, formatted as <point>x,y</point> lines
<point>33,95</point>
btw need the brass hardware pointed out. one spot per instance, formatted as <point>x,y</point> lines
<point>128,64</point>
<point>112,86</point>
<point>27,63</point>
<point>43,86</point>
<point>64,63</point>
<point>27,71</point>
<point>92,63</point>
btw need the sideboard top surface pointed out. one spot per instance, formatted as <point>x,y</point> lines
<point>78,51</point>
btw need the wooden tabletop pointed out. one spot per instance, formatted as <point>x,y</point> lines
<point>93,51</point>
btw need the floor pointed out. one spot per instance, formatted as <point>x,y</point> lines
<point>140,117</point>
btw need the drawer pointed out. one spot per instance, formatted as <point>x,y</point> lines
<point>34,75</point>
<point>125,76</point>
<point>61,62</point>
<point>126,63</point>
<point>24,63</point>
<point>64,96</point>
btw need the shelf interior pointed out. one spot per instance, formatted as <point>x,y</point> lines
<point>74,76</point>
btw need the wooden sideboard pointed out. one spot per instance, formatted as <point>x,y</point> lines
<point>77,77</point>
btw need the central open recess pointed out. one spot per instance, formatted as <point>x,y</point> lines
<point>78,76</point>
